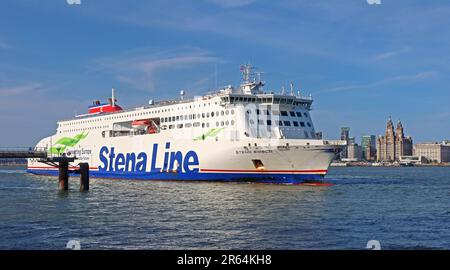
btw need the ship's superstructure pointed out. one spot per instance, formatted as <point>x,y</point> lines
<point>234,134</point>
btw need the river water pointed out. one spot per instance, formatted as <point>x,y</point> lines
<point>402,208</point>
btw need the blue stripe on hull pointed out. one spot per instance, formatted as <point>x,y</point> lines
<point>233,177</point>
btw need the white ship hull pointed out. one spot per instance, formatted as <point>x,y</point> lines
<point>147,159</point>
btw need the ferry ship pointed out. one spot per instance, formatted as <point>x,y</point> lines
<point>232,134</point>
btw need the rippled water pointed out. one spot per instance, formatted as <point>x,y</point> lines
<point>403,208</point>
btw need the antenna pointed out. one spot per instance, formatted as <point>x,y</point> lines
<point>182,93</point>
<point>292,88</point>
<point>258,73</point>
<point>113,100</point>
<point>282,90</point>
<point>246,72</point>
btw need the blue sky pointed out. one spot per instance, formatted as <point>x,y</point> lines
<point>362,63</point>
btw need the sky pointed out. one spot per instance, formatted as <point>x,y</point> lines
<point>362,63</point>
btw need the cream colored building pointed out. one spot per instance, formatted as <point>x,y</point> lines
<point>433,151</point>
<point>394,143</point>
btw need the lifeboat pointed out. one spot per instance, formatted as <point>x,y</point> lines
<point>140,124</point>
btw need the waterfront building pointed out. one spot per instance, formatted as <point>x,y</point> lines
<point>345,136</point>
<point>433,151</point>
<point>394,143</point>
<point>368,147</point>
<point>354,152</point>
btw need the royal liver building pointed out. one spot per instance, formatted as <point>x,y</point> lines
<point>394,144</point>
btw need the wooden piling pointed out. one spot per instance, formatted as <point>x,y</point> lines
<point>63,182</point>
<point>84,176</point>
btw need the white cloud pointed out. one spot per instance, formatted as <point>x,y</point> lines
<point>391,54</point>
<point>141,68</point>
<point>20,89</point>
<point>420,76</point>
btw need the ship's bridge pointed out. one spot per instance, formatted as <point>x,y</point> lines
<point>267,99</point>
<point>251,91</point>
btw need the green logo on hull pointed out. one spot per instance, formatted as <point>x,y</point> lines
<point>213,132</point>
<point>64,142</point>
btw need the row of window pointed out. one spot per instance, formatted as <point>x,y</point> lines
<point>281,123</point>
<point>196,116</point>
<point>198,124</point>
<point>282,113</point>
<point>263,100</point>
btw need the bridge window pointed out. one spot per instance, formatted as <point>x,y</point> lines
<point>284,113</point>
<point>287,123</point>
<point>292,114</point>
<point>302,124</point>
<point>295,123</point>
<point>269,122</point>
<point>299,114</point>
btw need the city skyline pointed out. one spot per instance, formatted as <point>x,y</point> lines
<point>361,63</point>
